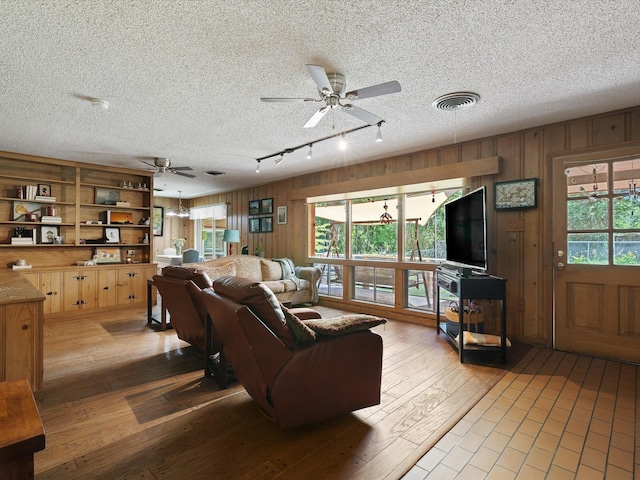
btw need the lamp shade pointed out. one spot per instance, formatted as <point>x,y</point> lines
<point>231,236</point>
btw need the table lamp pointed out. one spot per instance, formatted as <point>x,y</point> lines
<point>231,237</point>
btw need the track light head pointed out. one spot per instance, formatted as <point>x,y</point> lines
<point>379,134</point>
<point>258,167</point>
<point>309,152</point>
<point>279,159</point>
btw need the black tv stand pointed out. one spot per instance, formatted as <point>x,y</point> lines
<point>467,287</point>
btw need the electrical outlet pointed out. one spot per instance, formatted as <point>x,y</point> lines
<point>131,253</point>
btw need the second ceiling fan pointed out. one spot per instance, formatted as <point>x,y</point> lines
<point>331,87</point>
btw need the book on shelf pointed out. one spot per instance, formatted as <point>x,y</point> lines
<point>123,204</point>
<point>21,267</point>
<point>41,198</point>
<point>22,241</point>
<point>50,219</point>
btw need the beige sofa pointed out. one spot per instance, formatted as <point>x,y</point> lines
<point>303,289</point>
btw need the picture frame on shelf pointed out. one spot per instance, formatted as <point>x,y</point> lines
<point>111,234</point>
<point>516,194</point>
<point>254,225</point>
<point>266,224</point>
<point>158,221</point>
<point>254,207</point>
<point>106,196</point>
<point>108,255</point>
<point>48,233</point>
<point>282,215</point>
<point>44,190</point>
<point>266,206</point>
<point>26,211</point>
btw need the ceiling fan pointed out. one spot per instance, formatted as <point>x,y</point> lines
<point>164,165</point>
<point>330,87</point>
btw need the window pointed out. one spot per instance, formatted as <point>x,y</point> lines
<point>211,221</point>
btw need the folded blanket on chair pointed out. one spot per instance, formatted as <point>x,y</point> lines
<point>288,270</point>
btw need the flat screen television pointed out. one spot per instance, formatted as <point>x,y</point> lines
<point>466,231</point>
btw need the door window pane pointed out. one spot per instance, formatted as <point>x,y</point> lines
<point>627,249</point>
<point>588,214</point>
<point>588,248</point>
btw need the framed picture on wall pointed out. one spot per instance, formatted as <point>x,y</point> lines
<point>516,195</point>
<point>266,206</point>
<point>282,215</point>
<point>254,225</point>
<point>158,221</point>
<point>266,224</point>
<point>254,207</point>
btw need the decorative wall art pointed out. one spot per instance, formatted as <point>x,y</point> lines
<point>516,195</point>
<point>48,233</point>
<point>254,207</point>
<point>266,224</point>
<point>158,221</point>
<point>107,196</point>
<point>254,225</point>
<point>112,235</point>
<point>266,206</point>
<point>108,255</point>
<point>282,215</point>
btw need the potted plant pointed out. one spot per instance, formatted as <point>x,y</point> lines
<point>258,252</point>
<point>178,243</point>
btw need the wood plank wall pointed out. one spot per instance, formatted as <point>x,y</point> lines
<point>523,257</point>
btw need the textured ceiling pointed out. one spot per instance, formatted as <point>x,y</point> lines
<point>184,78</point>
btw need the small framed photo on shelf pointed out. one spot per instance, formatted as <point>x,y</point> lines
<point>108,255</point>
<point>107,196</point>
<point>266,206</point>
<point>26,211</point>
<point>44,190</point>
<point>282,215</point>
<point>111,235</point>
<point>254,225</point>
<point>254,207</point>
<point>266,224</point>
<point>516,195</point>
<point>49,233</point>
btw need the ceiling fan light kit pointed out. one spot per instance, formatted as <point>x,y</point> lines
<point>330,87</point>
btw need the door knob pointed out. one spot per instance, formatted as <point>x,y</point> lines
<point>560,265</point>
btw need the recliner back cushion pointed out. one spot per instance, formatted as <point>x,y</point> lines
<point>260,300</point>
<point>195,274</point>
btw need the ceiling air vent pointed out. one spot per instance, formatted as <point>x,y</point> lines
<point>456,101</point>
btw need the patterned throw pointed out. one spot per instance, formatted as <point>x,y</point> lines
<point>288,270</point>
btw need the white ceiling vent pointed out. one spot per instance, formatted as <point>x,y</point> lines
<point>456,101</point>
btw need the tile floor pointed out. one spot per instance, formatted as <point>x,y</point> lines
<point>555,416</point>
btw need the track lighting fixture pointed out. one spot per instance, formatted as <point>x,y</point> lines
<point>342,144</point>
<point>379,134</point>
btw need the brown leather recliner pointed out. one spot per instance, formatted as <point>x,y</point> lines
<point>179,287</point>
<point>292,383</point>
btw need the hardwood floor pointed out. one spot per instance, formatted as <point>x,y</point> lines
<point>122,400</point>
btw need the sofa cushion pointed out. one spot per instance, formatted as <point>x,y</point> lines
<point>276,286</point>
<point>260,300</point>
<point>300,331</point>
<point>344,324</point>
<point>270,270</point>
<point>222,270</point>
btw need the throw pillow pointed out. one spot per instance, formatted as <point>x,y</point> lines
<point>344,324</point>
<point>302,333</point>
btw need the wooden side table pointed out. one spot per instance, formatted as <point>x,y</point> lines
<point>21,430</point>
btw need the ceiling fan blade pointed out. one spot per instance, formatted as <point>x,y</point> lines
<point>316,117</point>
<point>181,168</point>
<point>363,115</point>
<point>288,100</point>
<point>184,174</point>
<point>374,91</point>
<point>320,77</point>
<point>150,164</point>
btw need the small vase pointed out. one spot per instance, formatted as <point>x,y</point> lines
<point>178,250</point>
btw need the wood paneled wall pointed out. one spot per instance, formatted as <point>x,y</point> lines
<point>524,258</point>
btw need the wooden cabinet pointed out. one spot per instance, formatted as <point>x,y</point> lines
<point>80,289</point>
<point>21,320</point>
<point>132,284</point>
<point>107,287</point>
<point>50,285</point>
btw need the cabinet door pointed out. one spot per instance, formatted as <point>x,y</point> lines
<point>107,289</point>
<point>51,287</point>
<point>89,286</point>
<point>138,285</point>
<point>125,281</point>
<point>71,291</point>
<point>19,352</point>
